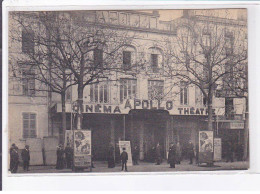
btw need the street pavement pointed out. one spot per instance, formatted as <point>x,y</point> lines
<point>101,167</point>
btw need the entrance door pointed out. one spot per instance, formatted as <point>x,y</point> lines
<point>154,133</point>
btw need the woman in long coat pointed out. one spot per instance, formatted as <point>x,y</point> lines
<point>60,157</point>
<point>172,155</point>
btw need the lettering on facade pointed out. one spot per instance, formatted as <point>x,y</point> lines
<point>130,104</point>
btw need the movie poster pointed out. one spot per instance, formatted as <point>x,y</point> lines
<point>127,146</point>
<point>206,147</point>
<point>82,148</point>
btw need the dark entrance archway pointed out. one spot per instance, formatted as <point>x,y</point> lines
<point>147,128</point>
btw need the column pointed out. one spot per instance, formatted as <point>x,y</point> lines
<point>141,146</point>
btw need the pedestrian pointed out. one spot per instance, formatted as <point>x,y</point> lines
<point>124,158</point>
<point>230,152</point>
<point>172,155</point>
<point>111,156</point>
<point>178,153</point>
<point>14,159</point>
<point>60,158</point>
<point>68,155</point>
<point>26,158</point>
<point>197,153</point>
<point>158,154</point>
<point>190,151</point>
<point>11,156</point>
<point>135,155</point>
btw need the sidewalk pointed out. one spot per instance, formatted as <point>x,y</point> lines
<point>101,167</point>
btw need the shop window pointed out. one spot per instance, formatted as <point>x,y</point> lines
<point>155,89</point>
<point>99,93</point>
<point>29,125</point>
<point>28,82</point>
<point>183,93</point>
<point>127,89</point>
<point>27,42</point>
<point>127,60</point>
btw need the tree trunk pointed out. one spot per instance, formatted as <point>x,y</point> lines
<point>62,137</point>
<point>80,106</point>
<point>246,133</point>
<point>210,121</point>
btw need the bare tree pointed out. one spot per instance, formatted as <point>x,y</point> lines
<point>67,49</point>
<point>36,34</point>
<point>237,85</point>
<point>202,53</point>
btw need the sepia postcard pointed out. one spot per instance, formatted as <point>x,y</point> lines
<point>109,91</point>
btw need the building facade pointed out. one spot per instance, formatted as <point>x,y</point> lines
<point>142,105</point>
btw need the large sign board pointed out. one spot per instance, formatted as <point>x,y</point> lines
<point>138,104</point>
<point>127,146</point>
<point>217,149</point>
<point>82,148</point>
<point>206,147</point>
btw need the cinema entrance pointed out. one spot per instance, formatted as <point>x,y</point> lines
<point>146,128</point>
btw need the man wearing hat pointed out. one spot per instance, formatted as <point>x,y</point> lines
<point>124,158</point>
<point>14,158</point>
<point>26,158</point>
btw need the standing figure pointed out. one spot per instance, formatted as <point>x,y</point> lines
<point>197,153</point>
<point>190,150</point>
<point>230,152</point>
<point>11,156</point>
<point>26,158</point>
<point>60,160</point>
<point>178,153</point>
<point>68,155</point>
<point>135,155</point>
<point>172,155</point>
<point>14,158</point>
<point>124,158</point>
<point>158,154</point>
<point>111,156</point>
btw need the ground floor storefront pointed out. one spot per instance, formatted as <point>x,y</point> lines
<point>143,128</point>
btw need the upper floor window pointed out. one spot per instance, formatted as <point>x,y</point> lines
<point>183,93</point>
<point>155,89</point>
<point>156,59</point>
<point>154,62</point>
<point>128,57</point>
<point>200,99</point>
<point>127,60</point>
<point>27,42</point>
<point>98,58</point>
<point>206,40</point>
<point>99,92</point>
<point>127,89</point>
<point>29,125</point>
<point>28,82</point>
